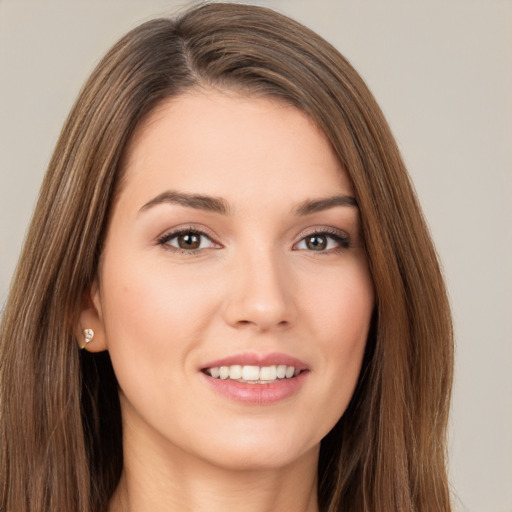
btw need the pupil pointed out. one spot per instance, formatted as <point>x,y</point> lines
<point>189,241</point>
<point>316,243</point>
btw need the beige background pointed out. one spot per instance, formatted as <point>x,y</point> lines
<point>441,70</point>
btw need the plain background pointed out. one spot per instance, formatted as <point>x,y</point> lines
<point>442,72</point>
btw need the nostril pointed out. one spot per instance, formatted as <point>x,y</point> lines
<point>261,325</point>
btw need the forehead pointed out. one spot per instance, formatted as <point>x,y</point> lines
<point>215,142</point>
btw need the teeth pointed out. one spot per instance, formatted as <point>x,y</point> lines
<point>253,374</point>
<point>281,371</point>
<point>268,373</point>
<point>235,372</point>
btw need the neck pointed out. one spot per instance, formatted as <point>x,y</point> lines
<point>156,480</point>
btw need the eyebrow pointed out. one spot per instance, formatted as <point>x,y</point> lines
<point>317,205</point>
<point>197,201</point>
<point>221,206</point>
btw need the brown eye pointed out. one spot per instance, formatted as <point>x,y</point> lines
<point>323,241</point>
<point>189,241</point>
<point>316,242</point>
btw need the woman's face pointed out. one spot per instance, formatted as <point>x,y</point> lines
<point>234,294</point>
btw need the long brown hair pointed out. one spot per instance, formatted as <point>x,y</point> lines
<point>60,426</point>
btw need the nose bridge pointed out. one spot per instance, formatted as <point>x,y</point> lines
<point>259,292</point>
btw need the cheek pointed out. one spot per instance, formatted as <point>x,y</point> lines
<point>152,316</point>
<point>342,307</point>
<point>342,319</point>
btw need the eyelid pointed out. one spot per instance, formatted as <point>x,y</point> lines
<point>171,233</point>
<point>342,237</point>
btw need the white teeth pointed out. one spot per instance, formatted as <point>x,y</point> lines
<point>268,373</point>
<point>235,372</point>
<point>253,374</point>
<point>290,372</point>
<point>281,371</point>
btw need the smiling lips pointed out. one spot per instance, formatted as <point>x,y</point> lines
<point>253,374</point>
<point>255,378</point>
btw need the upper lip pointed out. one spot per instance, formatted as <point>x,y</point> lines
<point>255,359</point>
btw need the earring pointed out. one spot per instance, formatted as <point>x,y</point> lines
<point>88,336</point>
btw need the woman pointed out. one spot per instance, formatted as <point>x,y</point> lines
<point>227,229</point>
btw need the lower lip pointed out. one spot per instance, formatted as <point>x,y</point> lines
<point>257,394</point>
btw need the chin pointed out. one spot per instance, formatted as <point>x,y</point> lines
<point>258,454</point>
<point>258,461</point>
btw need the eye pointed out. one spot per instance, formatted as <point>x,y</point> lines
<point>187,240</point>
<point>323,241</point>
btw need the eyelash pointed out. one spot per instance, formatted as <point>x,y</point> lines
<point>342,239</point>
<point>166,238</point>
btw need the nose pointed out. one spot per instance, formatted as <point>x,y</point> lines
<point>260,293</point>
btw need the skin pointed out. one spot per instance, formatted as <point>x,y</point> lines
<point>256,284</point>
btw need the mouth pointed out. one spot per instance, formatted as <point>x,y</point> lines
<point>256,379</point>
<point>251,374</point>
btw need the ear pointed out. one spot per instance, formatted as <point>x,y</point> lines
<point>91,317</point>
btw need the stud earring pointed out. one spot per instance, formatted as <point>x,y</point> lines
<point>88,336</point>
